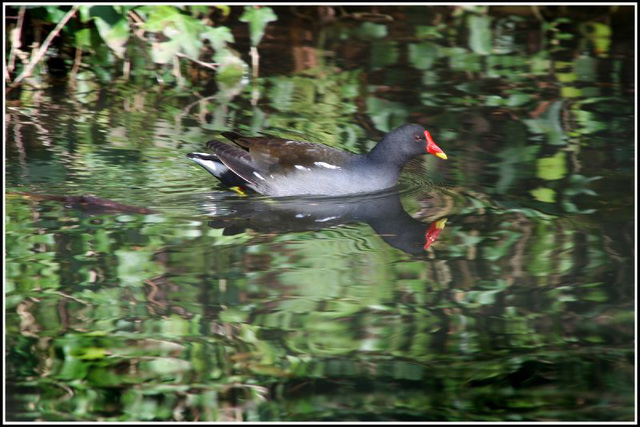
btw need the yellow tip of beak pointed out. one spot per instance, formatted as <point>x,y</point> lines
<point>442,156</point>
<point>440,223</point>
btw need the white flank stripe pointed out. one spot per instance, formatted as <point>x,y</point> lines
<point>326,219</point>
<point>258,175</point>
<point>211,164</point>
<point>207,164</point>
<point>326,165</point>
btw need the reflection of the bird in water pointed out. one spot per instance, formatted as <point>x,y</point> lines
<point>382,211</point>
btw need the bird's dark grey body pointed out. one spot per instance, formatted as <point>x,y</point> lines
<point>279,167</point>
<point>326,179</point>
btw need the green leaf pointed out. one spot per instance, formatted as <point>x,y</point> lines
<point>384,53</point>
<point>369,31</point>
<point>232,315</point>
<point>552,168</point>
<point>226,10</point>
<point>188,44</point>
<point>159,17</point>
<point>115,36</point>
<point>218,37</point>
<point>124,9</point>
<point>422,55</point>
<point>55,14</point>
<point>258,18</point>
<point>427,32</point>
<point>91,353</point>
<point>184,31</point>
<point>85,13</point>
<point>167,366</point>
<point>83,38</point>
<point>231,68</point>
<point>162,53</point>
<point>480,34</point>
<point>599,34</point>
<point>198,9</point>
<point>518,99</point>
<point>189,26</point>
<point>545,195</point>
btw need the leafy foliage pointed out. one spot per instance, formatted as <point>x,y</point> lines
<point>257,18</point>
<point>165,34</point>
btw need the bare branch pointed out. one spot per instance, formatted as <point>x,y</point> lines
<point>43,49</point>
<point>15,39</point>
<point>210,65</point>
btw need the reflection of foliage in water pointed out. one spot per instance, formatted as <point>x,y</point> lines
<point>296,312</point>
<point>523,310</point>
<point>318,105</point>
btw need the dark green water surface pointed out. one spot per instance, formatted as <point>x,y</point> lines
<point>189,302</point>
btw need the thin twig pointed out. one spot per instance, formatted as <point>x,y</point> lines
<point>126,69</point>
<point>136,17</point>
<point>76,65</point>
<point>210,65</point>
<point>15,39</point>
<point>255,94</point>
<point>255,61</point>
<point>7,76</point>
<point>43,49</point>
<point>176,71</point>
<point>137,21</point>
<point>81,301</point>
<point>188,108</point>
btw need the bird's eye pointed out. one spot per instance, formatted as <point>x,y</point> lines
<point>416,137</point>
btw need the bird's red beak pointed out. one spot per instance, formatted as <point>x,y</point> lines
<point>432,147</point>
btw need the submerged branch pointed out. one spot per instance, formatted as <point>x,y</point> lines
<point>86,202</point>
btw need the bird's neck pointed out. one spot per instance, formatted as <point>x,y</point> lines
<point>386,153</point>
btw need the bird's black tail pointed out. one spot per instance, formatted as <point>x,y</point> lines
<point>215,167</point>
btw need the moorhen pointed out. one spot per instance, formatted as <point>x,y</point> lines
<point>280,167</point>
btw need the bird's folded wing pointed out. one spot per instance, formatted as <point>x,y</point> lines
<point>275,155</point>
